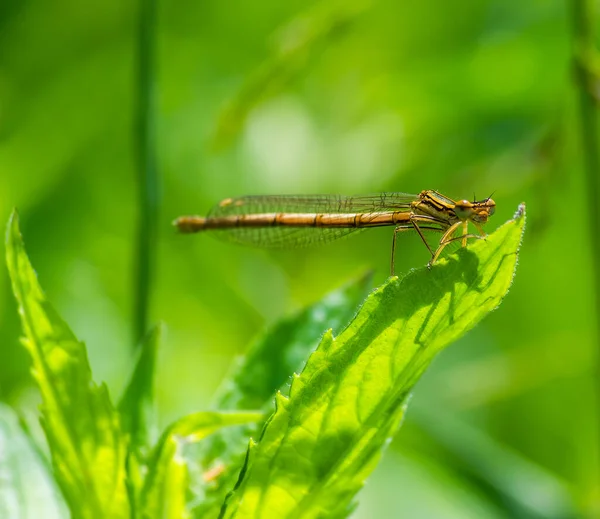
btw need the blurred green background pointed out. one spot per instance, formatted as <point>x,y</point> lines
<point>341,97</point>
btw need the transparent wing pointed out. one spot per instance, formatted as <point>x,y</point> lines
<point>313,204</point>
<point>284,237</point>
<point>288,237</point>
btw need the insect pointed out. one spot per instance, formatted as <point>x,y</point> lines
<point>296,221</point>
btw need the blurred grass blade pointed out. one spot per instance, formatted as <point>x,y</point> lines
<point>165,489</point>
<point>521,487</point>
<point>322,442</point>
<point>80,422</point>
<point>266,367</point>
<point>27,490</point>
<point>148,177</point>
<point>137,403</point>
<point>298,40</point>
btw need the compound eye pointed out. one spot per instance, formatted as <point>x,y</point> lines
<point>463,209</point>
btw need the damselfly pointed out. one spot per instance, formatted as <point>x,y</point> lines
<point>296,221</point>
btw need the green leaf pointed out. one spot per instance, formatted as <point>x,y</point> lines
<point>266,367</point>
<point>164,492</point>
<point>80,422</point>
<point>137,403</point>
<point>323,441</point>
<point>27,490</point>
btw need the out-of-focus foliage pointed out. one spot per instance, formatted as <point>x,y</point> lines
<point>101,456</point>
<point>474,96</point>
<point>28,490</point>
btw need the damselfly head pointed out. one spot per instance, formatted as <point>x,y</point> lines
<point>475,211</point>
<point>483,210</point>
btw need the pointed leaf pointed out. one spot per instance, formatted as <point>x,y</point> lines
<point>322,442</point>
<point>137,403</point>
<point>80,422</point>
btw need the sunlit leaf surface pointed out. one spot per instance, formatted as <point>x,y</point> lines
<point>322,442</point>
<point>81,424</point>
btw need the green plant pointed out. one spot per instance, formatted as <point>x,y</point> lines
<point>312,454</point>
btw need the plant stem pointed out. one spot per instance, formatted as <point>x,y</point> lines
<point>147,232</point>
<point>584,50</point>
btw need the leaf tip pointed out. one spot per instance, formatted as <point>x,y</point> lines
<point>520,211</point>
<point>520,219</point>
<point>15,251</point>
<point>153,337</point>
<point>281,401</point>
<point>12,229</point>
